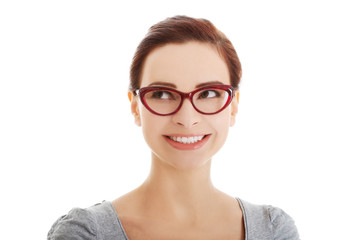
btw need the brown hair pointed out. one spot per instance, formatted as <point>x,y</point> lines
<point>182,29</point>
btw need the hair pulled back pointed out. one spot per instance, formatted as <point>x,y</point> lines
<point>182,29</point>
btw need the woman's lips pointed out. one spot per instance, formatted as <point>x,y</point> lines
<point>187,142</point>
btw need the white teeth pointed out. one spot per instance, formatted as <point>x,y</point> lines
<point>187,140</point>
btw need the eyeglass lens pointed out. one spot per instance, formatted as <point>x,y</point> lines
<point>206,100</point>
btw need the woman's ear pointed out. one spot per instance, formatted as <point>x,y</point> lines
<point>134,108</point>
<point>234,108</point>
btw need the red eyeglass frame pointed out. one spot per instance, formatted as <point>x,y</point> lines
<point>142,91</point>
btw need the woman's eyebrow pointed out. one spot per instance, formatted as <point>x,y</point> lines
<point>171,85</point>
<point>209,83</point>
<point>165,84</point>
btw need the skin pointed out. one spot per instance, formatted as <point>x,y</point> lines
<point>178,199</point>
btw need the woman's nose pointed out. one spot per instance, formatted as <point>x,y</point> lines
<point>187,116</point>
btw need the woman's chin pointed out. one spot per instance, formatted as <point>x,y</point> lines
<point>183,161</point>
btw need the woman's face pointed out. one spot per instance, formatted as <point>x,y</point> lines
<point>184,67</point>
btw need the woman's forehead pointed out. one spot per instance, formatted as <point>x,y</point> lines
<point>185,65</point>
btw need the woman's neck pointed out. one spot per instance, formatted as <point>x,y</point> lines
<point>183,193</point>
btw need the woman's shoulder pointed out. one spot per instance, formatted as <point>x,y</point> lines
<point>76,224</point>
<point>268,222</point>
<point>96,222</point>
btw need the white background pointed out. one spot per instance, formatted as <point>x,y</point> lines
<point>67,138</point>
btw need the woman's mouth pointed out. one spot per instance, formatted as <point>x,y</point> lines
<point>181,142</point>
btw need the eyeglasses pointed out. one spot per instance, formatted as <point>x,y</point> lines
<point>166,101</point>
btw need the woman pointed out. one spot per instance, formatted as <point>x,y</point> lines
<point>184,94</point>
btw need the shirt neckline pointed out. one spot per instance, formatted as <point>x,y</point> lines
<point>126,237</point>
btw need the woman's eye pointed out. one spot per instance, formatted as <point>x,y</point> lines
<point>208,94</point>
<point>162,95</point>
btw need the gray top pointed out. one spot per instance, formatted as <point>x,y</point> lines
<point>101,222</point>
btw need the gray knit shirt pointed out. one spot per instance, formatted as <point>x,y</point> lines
<point>101,222</point>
